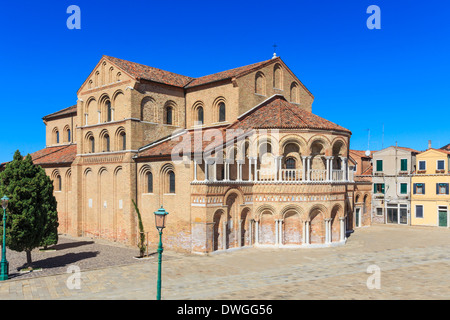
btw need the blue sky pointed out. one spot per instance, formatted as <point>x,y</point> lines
<point>396,77</point>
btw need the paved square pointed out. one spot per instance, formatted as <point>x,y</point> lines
<point>414,264</point>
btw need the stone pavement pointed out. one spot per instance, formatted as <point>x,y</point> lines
<point>414,263</point>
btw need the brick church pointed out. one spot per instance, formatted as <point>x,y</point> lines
<point>254,165</point>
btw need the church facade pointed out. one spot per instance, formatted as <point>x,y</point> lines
<point>237,158</point>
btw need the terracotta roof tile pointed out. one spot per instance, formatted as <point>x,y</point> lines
<point>140,71</point>
<point>55,155</point>
<point>236,72</point>
<point>275,112</point>
<point>64,112</point>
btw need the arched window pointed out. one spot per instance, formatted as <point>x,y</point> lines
<point>290,163</point>
<point>123,137</point>
<point>169,115</point>
<point>58,182</point>
<point>222,114</point>
<point>69,137</point>
<point>92,144</point>
<point>260,83</point>
<point>108,111</point>
<point>200,115</point>
<point>294,93</point>
<point>171,182</point>
<point>277,77</point>
<point>107,143</point>
<point>57,136</point>
<point>149,182</point>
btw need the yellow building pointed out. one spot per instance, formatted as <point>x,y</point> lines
<point>430,199</point>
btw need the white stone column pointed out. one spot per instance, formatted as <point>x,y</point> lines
<point>331,169</point>
<point>327,231</point>
<point>239,233</point>
<point>250,232</point>
<point>239,169</point>
<point>99,116</point>
<point>226,170</point>
<point>85,119</point>
<point>256,232</point>
<point>279,176</point>
<point>250,162</point>
<point>276,232</point>
<point>303,232</point>
<point>112,114</point>
<point>280,232</point>
<point>224,235</point>
<point>195,169</point>
<point>206,170</point>
<point>215,170</point>
<point>307,237</point>
<point>303,168</point>
<point>256,168</point>
<point>342,228</point>
<point>343,167</point>
<point>308,164</point>
<point>328,168</point>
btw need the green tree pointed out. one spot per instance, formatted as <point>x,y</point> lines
<point>32,206</point>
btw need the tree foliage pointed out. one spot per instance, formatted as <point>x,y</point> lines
<point>32,213</point>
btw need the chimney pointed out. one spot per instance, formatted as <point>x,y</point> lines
<point>429,144</point>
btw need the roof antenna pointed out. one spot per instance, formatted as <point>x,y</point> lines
<point>274,51</point>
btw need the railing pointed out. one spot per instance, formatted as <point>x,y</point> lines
<point>338,175</point>
<point>318,175</point>
<point>291,175</point>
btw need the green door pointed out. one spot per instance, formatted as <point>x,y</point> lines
<point>442,218</point>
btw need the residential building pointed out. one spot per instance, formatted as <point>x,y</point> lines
<point>392,169</point>
<point>430,197</point>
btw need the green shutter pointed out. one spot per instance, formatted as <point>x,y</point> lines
<point>404,165</point>
<point>382,188</point>
<point>374,188</point>
<point>404,188</point>
<point>379,165</point>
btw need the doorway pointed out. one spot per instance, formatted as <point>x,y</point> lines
<point>443,216</point>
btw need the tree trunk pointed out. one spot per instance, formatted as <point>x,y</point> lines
<point>28,258</point>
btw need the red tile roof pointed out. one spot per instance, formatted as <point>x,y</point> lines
<point>278,113</point>
<point>274,113</point>
<point>64,112</point>
<point>140,71</point>
<point>228,74</point>
<point>55,155</point>
<point>187,140</point>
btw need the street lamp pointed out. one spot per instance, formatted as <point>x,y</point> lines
<point>4,264</point>
<point>160,222</point>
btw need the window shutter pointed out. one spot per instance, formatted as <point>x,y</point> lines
<point>382,188</point>
<point>423,188</point>
<point>374,188</point>
<point>446,188</point>
<point>404,164</point>
<point>437,188</point>
<point>415,188</point>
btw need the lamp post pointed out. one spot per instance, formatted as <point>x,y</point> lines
<point>4,264</point>
<point>160,222</point>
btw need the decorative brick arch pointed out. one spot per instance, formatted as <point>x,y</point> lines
<point>293,217</point>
